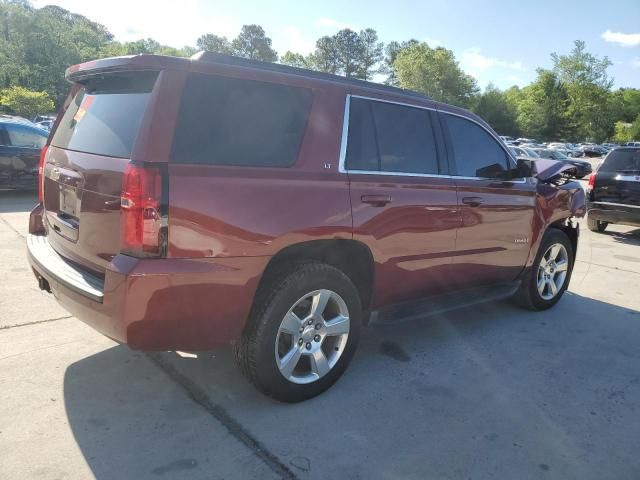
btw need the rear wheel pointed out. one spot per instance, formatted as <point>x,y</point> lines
<point>303,333</point>
<point>596,225</point>
<point>549,276</point>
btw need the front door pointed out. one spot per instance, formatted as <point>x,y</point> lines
<point>494,240</point>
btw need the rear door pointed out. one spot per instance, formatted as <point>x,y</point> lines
<point>88,153</point>
<point>618,178</point>
<point>403,200</point>
<point>494,239</point>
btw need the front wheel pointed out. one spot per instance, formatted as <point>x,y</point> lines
<point>303,333</point>
<point>549,276</point>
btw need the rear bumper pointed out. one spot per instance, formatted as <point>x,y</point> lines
<point>154,304</point>
<point>614,213</point>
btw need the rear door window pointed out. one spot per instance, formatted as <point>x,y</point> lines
<point>20,136</point>
<point>475,152</point>
<point>231,121</point>
<point>388,137</point>
<point>105,115</point>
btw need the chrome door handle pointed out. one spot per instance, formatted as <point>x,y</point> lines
<point>472,201</point>
<point>376,200</point>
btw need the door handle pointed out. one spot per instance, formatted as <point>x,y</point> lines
<point>376,200</point>
<point>472,201</point>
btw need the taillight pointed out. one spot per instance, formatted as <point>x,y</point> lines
<point>592,181</point>
<point>141,230</point>
<point>43,155</point>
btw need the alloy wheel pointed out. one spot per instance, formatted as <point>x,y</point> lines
<point>312,336</point>
<point>552,271</point>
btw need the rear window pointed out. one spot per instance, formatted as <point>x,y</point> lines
<point>621,160</point>
<point>230,121</point>
<point>105,115</point>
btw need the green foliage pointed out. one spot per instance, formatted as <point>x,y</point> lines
<point>492,105</point>
<point>435,72</point>
<point>214,43</point>
<point>24,102</point>
<point>253,43</point>
<point>295,60</point>
<point>542,108</point>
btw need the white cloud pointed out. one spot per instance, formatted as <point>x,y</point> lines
<point>515,79</point>
<point>149,18</point>
<point>330,23</point>
<point>622,39</point>
<point>474,61</point>
<point>636,62</point>
<point>297,41</point>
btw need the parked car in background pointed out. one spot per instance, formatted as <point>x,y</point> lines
<point>583,168</point>
<point>194,203</point>
<point>507,139</point>
<point>20,145</point>
<point>613,193</point>
<point>591,150</point>
<point>45,124</point>
<point>632,144</point>
<point>43,118</point>
<point>527,140</point>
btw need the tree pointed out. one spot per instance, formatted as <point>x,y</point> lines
<point>493,107</point>
<point>24,102</point>
<point>349,52</point>
<point>214,43</point>
<point>434,72</point>
<point>253,43</point>
<point>370,52</point>
<point>325,56</point>
<point>295,60</point>
<point>542,108</point>
<point>587,84</point>
<point>390,55</point>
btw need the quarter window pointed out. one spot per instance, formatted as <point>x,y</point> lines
<point>231,121</point>
<point>475,152</point>
<point>387,137</point>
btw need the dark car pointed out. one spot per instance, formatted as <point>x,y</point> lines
<point>20,146</point>
<point>195,203</point>
<point>614,190</point>
<point>583,168</point>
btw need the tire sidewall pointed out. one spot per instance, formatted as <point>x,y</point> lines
<point>298,284</point>
<point>551,237</point>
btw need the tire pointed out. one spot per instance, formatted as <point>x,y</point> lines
<point>270,340</point>
<point>529,294</point>
<point>596,225</point>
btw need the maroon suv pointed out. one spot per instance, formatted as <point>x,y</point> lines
<point>191,203</point>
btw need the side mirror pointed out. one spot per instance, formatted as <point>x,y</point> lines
<point>524,168</point>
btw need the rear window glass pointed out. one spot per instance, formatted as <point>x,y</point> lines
<point>621,160</point>
<point>229,121</point>
<point>105,115</point>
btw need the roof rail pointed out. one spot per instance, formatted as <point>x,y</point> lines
<point>213,57</point>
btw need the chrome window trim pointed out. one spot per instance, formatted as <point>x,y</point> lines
<point>345,135</point>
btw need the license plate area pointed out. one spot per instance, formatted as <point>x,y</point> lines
<point>69,204</point>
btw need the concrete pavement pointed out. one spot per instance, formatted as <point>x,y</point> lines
<point>486,392</point>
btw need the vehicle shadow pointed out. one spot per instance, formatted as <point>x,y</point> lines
<point>11,201</point>
<point>631,237</point>
<point>433,396</point>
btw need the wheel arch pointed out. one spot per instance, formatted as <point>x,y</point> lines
<point>351,257</point>
<point>571,228</point>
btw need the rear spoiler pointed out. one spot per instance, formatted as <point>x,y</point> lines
<point>130,62</point>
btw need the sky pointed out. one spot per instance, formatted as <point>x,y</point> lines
<point>502,42</point>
